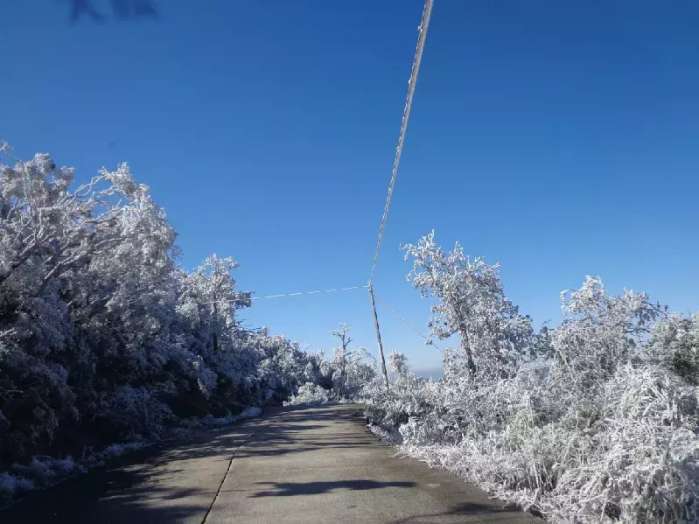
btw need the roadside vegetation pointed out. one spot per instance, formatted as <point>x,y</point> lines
<point>595,420</point>
<point>106,343</point>
<point>104,339</point>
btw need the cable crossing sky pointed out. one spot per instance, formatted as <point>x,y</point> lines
<point>412,82</point>
<point>407,108</point>
<point>312,292</point>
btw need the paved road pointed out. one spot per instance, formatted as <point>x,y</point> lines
<point>293,466</point>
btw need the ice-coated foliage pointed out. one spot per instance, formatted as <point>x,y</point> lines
<point>309,394</point>
<point>595,420</point>
<point>600,332</point>
<point>103,337</point>
<point>472,304</point>
<point>352,367</point>
<point>341,378</point>
<point>675,344</point>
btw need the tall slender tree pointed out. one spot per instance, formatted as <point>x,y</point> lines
<point>471,303</point>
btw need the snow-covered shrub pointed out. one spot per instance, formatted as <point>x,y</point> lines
<point>309,394</point>
<point>136,412</point>
<point>350,369</point>
<point>408,398</point>
<point>113,451</point>
<point>642,463</point>
<point>41,472</point>
<point>637,462</point>
<point>340,378</point>
<point>34,398</point>
<point>675,344</point>
<point>600,332</point>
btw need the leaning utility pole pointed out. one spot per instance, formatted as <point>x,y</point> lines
<point>378,334</point>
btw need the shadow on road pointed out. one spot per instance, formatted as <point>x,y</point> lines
<point>467,509</point>
<point>288,489</point>
<point>115,494</point>
<point>139,487</point>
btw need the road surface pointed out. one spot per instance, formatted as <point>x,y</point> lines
<point>296,465</point>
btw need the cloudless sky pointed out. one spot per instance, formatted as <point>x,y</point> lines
<point>558,138</point>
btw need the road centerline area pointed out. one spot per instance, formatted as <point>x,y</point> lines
<point>225,475</point>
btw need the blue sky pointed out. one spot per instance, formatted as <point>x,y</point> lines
<point>559,140</point>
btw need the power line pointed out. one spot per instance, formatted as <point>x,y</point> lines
<point>414,72</point>
<point>312,292</point>
<point>294,294</point>
<point>412,81</point>
<point>410,325</point>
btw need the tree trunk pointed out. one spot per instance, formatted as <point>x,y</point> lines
<point>466,344</point>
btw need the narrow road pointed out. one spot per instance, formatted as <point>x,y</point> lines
<point>293,466</point>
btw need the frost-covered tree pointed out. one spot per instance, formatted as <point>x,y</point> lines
<point>48,230</point>
<point>351,368</point>
<point>211,298</point>
<point>398,363</point>
<point>83,277</point>
<point>470,302</point>
<point>342,354</point>
<point>102,335</point>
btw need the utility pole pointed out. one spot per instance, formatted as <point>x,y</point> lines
<point>378,334</point>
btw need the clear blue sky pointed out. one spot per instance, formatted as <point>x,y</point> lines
<point>559,140</point>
